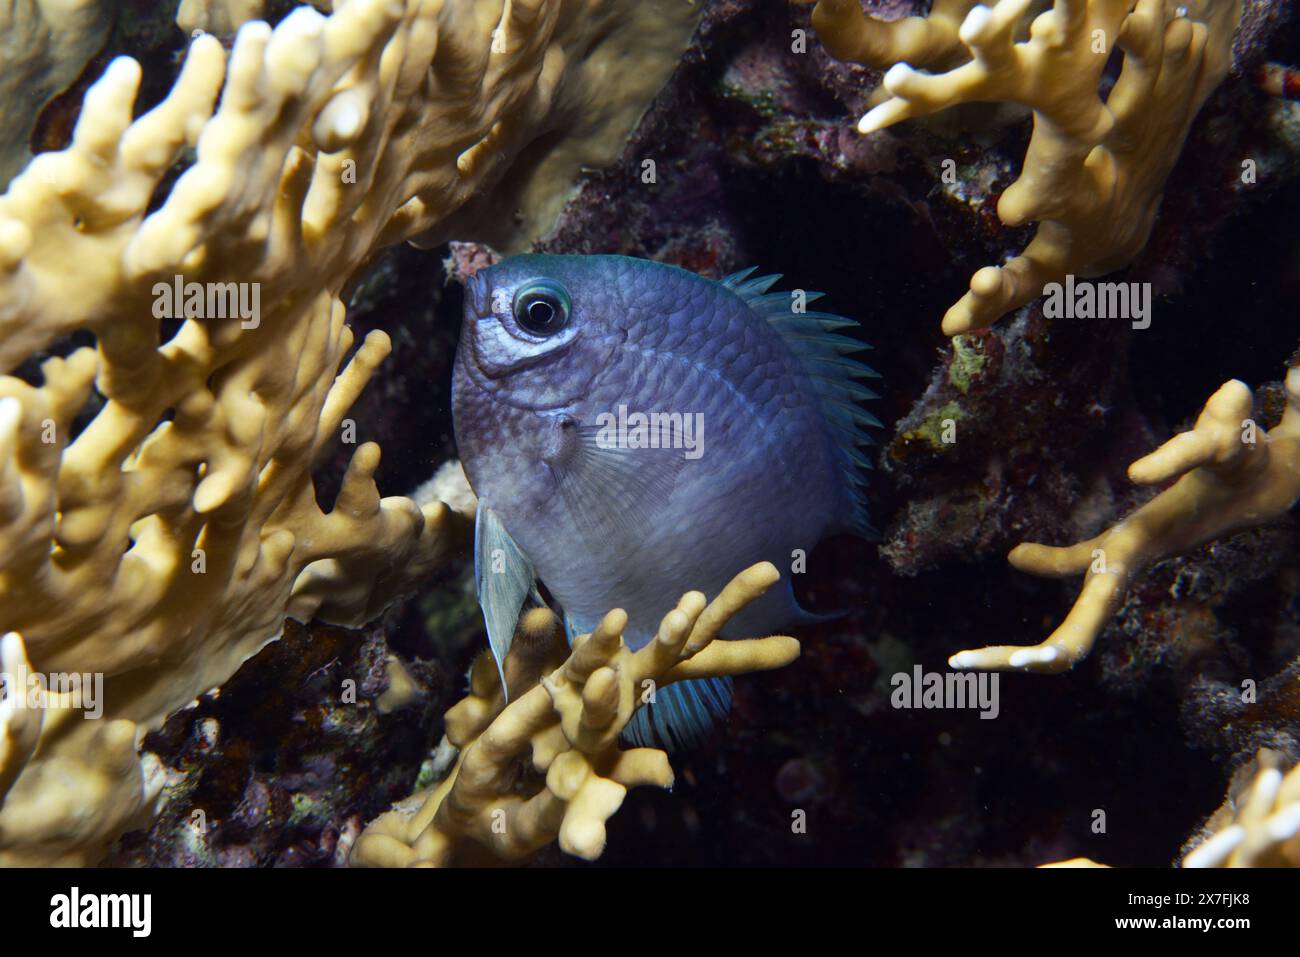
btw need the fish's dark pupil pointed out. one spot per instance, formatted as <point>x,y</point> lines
<point>541,313</point>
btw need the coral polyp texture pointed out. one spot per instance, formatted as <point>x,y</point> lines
<point>1094,172</point>
<point>158,515</point>
<point>1228,474</point>
<point>548,766</point>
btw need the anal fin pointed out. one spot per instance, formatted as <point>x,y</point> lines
<point>681,716</point>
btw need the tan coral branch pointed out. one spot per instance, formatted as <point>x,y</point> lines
<point>929,41</point>
<point>1230,475</point>
<point>44,46</point>
<point>1095,170</point>
<point>164,544</point>
<point>1259,822</point>
<point>565,726</point>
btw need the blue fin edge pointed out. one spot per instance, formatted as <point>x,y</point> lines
<point>681,716</point>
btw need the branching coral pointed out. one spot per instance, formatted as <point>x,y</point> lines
<point>1230,475</point>
<point>1259,822</point>
<point>44,46</point>
<point>565,727</point>
<point>68,765</point>
<point>923,42</point>
<point>217,16</point>
<point>1095,170</point>
<point>161,543</point>
<point>20,727</point>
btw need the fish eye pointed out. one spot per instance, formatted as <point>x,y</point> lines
<point>542,307</point>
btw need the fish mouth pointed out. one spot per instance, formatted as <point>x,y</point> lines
<point>476,294</point>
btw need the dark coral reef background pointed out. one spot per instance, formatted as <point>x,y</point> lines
<point>758,163</point>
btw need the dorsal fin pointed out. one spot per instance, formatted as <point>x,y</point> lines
<point>825,355</point>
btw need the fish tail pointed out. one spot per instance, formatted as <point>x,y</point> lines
<point>681,715</point>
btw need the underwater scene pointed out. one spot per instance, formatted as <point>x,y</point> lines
<point>598,434</point>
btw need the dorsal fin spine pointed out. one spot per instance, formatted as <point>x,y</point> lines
<point>813,337</point>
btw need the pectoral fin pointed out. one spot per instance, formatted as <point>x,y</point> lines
<point>615,492</point>
<point>504,577</point>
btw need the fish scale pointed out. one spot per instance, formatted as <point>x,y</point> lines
<point>603,525</point>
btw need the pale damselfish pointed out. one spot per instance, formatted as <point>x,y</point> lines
<point>634,431</point>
